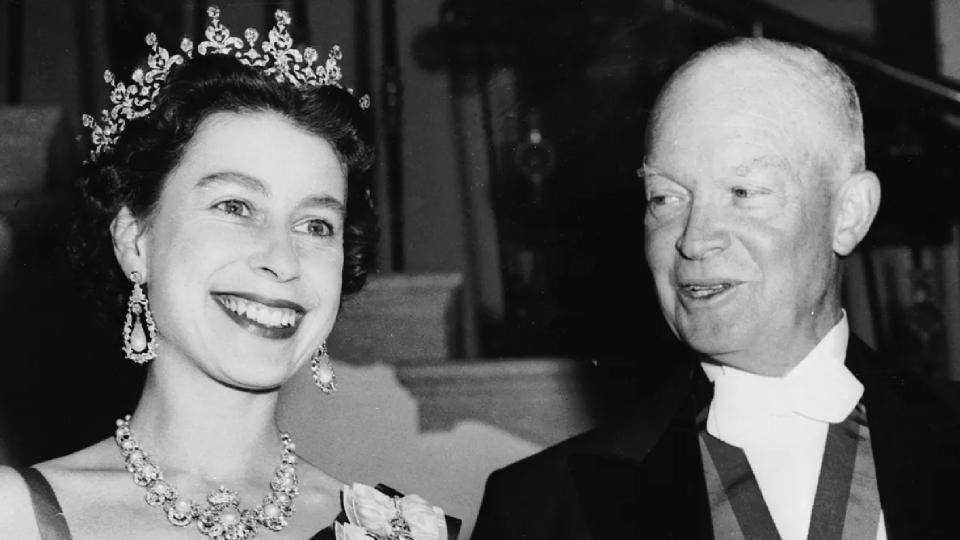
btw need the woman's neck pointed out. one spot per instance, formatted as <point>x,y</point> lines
<point>193,425</point>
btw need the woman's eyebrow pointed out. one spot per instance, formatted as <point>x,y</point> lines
<point>325,201</point>
<point>236,177</point>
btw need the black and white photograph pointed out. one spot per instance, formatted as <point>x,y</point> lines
<point>479,269</point>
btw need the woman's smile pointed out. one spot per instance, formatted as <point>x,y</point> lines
<point>270,318</point>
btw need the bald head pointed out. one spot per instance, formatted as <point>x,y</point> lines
<point>817,89</point>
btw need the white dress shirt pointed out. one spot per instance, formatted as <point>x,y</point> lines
<point>781,425</point>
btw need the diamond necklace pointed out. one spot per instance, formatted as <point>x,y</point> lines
<point>222,518</point>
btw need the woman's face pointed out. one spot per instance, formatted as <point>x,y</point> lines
<point>244,251</point>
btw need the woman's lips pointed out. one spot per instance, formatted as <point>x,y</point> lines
<point>270,318</point>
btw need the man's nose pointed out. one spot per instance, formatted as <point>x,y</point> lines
<point>703,234</point>
<point>277,256</point>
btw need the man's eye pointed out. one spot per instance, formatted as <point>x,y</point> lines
<point>315,227</point>
<point>741,193</point>
<point>662,200</point>
<point>234,208</point>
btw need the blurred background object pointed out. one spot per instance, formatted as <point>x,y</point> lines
<point>513,306</point>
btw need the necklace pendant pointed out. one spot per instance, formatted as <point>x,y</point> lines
<point>182,513</point>
<point>224,519</point>
<point>160,493</point>
<point>271,514</point>
<point>285,480</point>
<point>146,474</point>
<point>227,523</point>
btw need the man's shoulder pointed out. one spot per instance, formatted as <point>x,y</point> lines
<point>937,398</point>
<point>552,460</point>
<point>628,436</point>
<point>895,385</point>
<point>534,498</point>
<point>538,492</point>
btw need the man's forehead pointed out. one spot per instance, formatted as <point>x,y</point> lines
<point>751,78</point>
<point>734,167</point>
<point>723,109</point>
<point>747,82</point>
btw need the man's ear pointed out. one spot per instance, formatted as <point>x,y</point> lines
<point>129,242</point>
<point>857,202</point>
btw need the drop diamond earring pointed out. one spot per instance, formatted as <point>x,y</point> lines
<point>139,331</point>
<point>322,369</point>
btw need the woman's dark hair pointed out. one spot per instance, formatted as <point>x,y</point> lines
<point>133,172</point>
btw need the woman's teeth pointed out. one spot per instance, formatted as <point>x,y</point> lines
<point>259,313</point>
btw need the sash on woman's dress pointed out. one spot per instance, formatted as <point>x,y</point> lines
<point>846,505</point>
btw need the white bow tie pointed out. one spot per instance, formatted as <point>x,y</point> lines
<point>819,388</point>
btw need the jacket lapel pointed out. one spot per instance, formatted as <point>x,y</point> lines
<point>916,444</point>
<point>643,477</point>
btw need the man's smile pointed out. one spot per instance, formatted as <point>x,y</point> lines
<point>704,290</point>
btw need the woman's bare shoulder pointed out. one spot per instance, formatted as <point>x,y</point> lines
<point>96,495</point>
<point>314,479</point>
<point>86,476</point>
<point>98,457</point>
<point>16,512</point>
<point>65,474</point>
<point>319,492</point>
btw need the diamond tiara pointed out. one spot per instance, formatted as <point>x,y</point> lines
<point>278,59</point>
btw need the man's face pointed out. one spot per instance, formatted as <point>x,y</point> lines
<point>739,219</point>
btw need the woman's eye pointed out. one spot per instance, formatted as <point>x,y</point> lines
<point>234,208</point>
<point>315,227</point>
<point>741,193</point>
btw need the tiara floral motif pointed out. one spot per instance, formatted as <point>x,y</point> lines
<point>279,60</point>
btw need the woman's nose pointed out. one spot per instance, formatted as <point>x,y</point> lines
<point>277,257</point>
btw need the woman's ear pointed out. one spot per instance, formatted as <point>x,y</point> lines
<point>858,200</point>
<point>129,242</point>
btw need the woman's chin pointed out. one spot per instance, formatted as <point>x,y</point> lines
<point>264,383</point>
<point>255,376</point>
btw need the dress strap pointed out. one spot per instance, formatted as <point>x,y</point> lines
<point>46,508</point>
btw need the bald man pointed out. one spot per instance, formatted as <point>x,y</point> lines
<point>783,425</point>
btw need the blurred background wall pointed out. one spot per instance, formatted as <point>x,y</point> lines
<point>512,307</point>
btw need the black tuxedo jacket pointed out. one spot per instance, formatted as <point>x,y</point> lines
<point>643,477</point>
